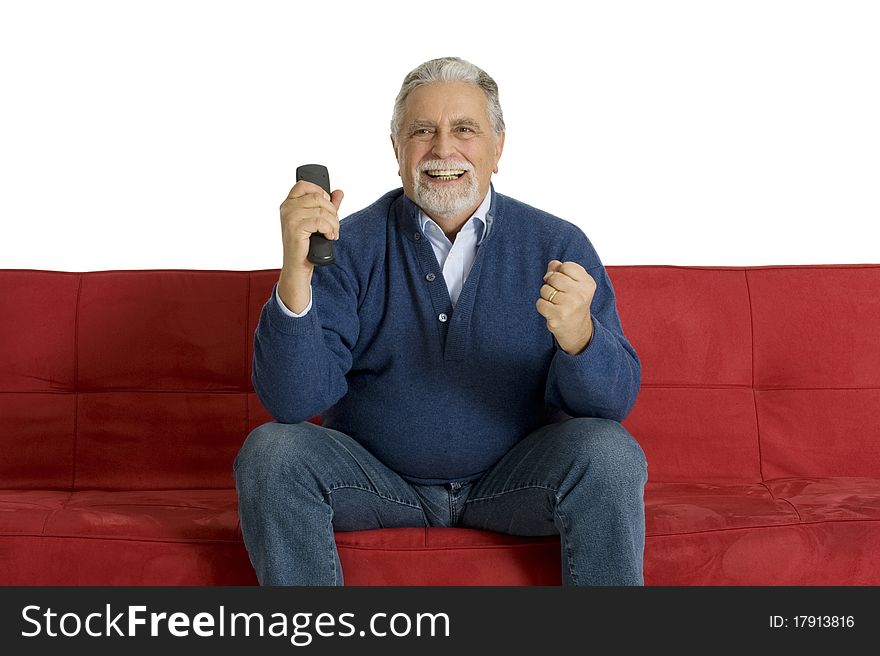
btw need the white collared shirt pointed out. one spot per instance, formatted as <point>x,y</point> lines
<point>456,259</point>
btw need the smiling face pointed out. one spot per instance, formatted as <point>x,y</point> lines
<point>447,150</point>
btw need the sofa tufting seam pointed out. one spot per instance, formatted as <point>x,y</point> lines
<point>113,538</point>
<point>237,541</point>
<point>206,390</point>
<point>247,364</point>
<point>754,391</point>
<point>778,388</point>
<point>773,496</point>
<point>141,390</point>
<point>763,527</point>
<point>343,545</point>
<point>771,267</point>
<point>55,512</point>
<point>76,380</point>
<point>649,535</point>
<point>102,506</point>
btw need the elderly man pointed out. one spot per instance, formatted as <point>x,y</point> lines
<point>464,352</point>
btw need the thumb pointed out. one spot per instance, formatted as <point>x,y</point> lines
<point>336,198</point>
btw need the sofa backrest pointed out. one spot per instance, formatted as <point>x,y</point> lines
<point>141,379</point>
<point>755,373</point>
<point>126,379</point>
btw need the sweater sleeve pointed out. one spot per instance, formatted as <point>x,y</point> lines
<point>603,380</point>
<point>300,363</point>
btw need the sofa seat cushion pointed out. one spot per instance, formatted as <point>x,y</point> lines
<point>192,537</point>
<point>691,507</point>
<point>673,508</point>
<point>786,531</point>
<point>184,515</point>
<point>840,498</point>
<point>25,512</point>
<point>91,537</point>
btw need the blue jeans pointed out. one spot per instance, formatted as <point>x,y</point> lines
<point>582,479</point>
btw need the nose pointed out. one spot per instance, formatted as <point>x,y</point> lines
<point>443,146</point>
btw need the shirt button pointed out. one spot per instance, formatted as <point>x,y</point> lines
<point>430,277</point>
<point>443,318</point>
<point>417,236</point>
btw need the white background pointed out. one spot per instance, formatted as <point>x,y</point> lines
<point>165,134</point>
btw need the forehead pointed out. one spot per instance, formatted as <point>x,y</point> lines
<point>447,101</point>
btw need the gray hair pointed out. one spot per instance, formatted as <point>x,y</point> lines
<point>448,69</point>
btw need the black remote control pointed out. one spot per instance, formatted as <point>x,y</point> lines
<point>320,248</point>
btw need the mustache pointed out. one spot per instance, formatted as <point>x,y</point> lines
<point>441,164</point>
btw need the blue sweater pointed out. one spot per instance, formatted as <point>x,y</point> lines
<point>435,393</point>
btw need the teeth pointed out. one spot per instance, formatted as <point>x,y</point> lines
<point>445,173</point>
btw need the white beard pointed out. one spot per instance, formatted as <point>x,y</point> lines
<point>445,201</point>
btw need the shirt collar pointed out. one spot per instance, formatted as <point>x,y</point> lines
<point>481,224</point>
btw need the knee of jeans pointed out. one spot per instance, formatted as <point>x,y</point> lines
<point>605,445</point>
<point>269,446</point>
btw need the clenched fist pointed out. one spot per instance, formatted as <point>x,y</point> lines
<point>565,303</point>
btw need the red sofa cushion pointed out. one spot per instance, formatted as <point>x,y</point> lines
<point>755,373</point>
<point>37,378</point>
<point>817,370</point>
<point>782,532</point>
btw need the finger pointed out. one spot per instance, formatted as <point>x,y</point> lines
<point>325,225</point>
<point>309,201</point>
<point>317,219</point>
<point>550,313</point>
<point>574,271</point>
<point>303,187</point>
<point>561,282</point>
<point>547,292</point>
<point>545,308</point>
<point>336,198</point>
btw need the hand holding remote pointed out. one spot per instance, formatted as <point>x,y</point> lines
<point>320,249</point>
<point>309,211</point>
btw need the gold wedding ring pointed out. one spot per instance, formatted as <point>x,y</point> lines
<point>552,294</point>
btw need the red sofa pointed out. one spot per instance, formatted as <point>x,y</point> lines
<point>124,396</point>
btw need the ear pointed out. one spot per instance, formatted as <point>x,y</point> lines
<point>394,146</point>
<point>499,147</point>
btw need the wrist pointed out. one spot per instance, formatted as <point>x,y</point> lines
<point>294,290</point>
<point>580,345</point>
